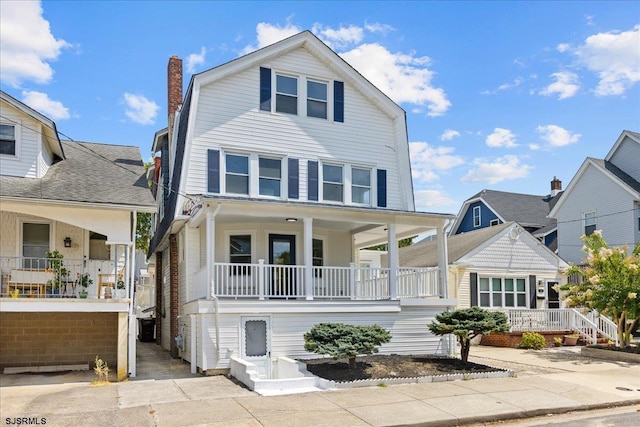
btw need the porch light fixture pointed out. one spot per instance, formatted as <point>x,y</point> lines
<point>67,242</point>
<point>292,219</point>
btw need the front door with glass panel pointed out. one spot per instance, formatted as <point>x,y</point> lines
<point>282,253</point>
<point>553,297</point>
<point>256,344</point>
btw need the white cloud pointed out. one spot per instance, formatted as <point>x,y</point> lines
<point>140,110</point>
<point>403,77</point>
<point>426,160</point>
<point>195,59</point>
<point>26,43</point>
<point>516,82</point>
<point>449,134</point>
<point>566,85</point>
<point>504,168</point>
<point>615,58</point>
<point>40,101</point>
<point>377,27</point>
<point>501,138</point>
<point>269,34</point>
<point>339,38</point>
<point>556,136</point>
<point>534,147</point>
<point>563,47</point>
<point>426,199</point>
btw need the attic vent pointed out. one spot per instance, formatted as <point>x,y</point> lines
<point>514,234</point>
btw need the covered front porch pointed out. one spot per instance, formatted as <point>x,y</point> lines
<point>242,249</point>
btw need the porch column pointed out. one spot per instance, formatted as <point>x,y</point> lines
<point>393,260</point>
<point>308,257</point>
<point>210,224</point>
<point>443,262</point>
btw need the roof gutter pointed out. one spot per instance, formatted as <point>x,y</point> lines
<point>137,208</point>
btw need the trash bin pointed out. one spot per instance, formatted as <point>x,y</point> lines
<point>146,329</point>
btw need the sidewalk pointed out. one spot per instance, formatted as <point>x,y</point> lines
<point>547,381</point>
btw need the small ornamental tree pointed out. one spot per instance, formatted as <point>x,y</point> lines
<point>611,284</point>
<point>468,323</point>
<point>342,341</point>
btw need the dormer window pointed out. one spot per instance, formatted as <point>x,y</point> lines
<point>286,94</point>
<point>7,139</point>
<point>476,216</point>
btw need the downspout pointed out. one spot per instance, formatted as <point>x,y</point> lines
<point>131,288</point>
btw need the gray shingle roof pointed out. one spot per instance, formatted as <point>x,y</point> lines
<point>425,254</point>
<point>530,211</point>
<point>91,173</point>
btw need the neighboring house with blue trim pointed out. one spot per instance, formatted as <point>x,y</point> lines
<point>489,208</point>
<point>603,195</point>
<point>275,170</point>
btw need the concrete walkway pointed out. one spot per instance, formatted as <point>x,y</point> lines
<point>166,394</point>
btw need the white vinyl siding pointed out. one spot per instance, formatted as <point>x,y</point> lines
<point>615,214</point>
<point>25,162</point>
<point>627,158</point>
<point>228,118</point>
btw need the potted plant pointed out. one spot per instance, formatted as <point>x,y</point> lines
<point>571,339</point>
<point>557,341</point>
<point>84,280</point>
<point>120,289</point>
<point>56,266</point>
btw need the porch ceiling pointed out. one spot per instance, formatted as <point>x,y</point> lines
<point>367,226</point>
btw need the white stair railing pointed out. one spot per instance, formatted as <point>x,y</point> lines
<point>606,327</point>
<point>587,329</point>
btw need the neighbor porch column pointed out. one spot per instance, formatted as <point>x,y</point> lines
<point>443,262</point>
<point>210,248</point>
<point>392,247</point>
<point>308,257</point>
<point>122,346</point>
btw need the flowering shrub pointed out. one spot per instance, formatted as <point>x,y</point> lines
<point>611,285</point>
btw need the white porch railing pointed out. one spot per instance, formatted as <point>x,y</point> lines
<point>589,326</point>
<point>263,281</point>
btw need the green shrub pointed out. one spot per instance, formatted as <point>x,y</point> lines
<point>533,340</point>
<point>342,341</point>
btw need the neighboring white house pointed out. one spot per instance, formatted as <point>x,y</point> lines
<point>276,170</point>
<point>603,195</point>
<point>79,199</point>
<point>503,266</point>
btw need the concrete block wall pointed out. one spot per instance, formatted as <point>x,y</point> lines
<point>46,339</point>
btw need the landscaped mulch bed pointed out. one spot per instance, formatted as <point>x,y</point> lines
<point>391,366</point>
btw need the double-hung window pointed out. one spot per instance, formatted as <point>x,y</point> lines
<point>316,99</point>
<point>476,216</point>
<point>502,292</point>
<point>237,176</point>
<point>286,94</point>
<point>589,222</point>
<point>270,176</point>
<point>7,139</point>
<point>332,183</point>
<point>361,186</point>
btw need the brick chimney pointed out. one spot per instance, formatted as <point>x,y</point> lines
<point>174,90</point>
<point>556,186</point>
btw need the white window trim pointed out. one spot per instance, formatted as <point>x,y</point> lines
<point>22,221</point>
<point>494,222</point>
<point>503,292</point>
<point>351,185</point>
<point>307,98</point>
<point>223,173</point>
<point>284,177</point>
<point>17,134</point>
<point>584,220</point>
<point>299,93</point>
<point>477,209</point>
<point>227,237</point>
<point>321,183</point>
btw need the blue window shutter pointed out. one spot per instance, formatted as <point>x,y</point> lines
<point>294,179</point>
<point>265,89</point>
<point>473,281</point>
<point>382,188</point>
<point>532,292</point>
<point>338,101</point>
<point>213,171</point>
<point>312,175</point>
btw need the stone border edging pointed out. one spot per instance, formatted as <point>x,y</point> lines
<point>616,356</point>
<point>498,373</point>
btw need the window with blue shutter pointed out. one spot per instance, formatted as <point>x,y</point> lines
<point>294,179</point>
<point>265,89</point>
<point>338,101</point>
<point>213,171</point>
<point>382,188</point>
<point>312,182</point>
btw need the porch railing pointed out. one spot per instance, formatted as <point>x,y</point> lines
<point>24,277</point>
<point>330,283</point>
<point>589,326</point>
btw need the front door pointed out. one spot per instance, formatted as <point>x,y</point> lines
<point>282,253</point>
<point>553,298</point>
<point>256,344</point>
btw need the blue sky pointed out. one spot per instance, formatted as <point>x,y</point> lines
<point>498,95</point>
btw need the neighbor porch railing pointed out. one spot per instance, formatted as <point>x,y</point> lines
<point>589,326</point>
<point>264,281</point>
<point>24,277</point>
